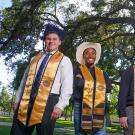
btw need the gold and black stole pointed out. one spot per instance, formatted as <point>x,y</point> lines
<point>43,91</point>
<point>93,103</point>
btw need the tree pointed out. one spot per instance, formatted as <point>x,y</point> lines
<point>113,101</point>
<point>68,111</point>
<point>110,23</point>
<point>5,100</point>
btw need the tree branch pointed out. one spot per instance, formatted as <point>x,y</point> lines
<point>119,35</point>
<point>118,8</point>
<point>122,20</point>
<point>125,55</point>
<point>133,1</point>
<point>54,16</point>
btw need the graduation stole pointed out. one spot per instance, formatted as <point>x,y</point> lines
<point>134,97</point>
<point>93,103</point>
<point>43,90</point>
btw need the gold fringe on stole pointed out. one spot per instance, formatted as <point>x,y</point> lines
<point>43,91</point>
<point>134,101</point>
<point>100,95</point>
<point>23,107</point>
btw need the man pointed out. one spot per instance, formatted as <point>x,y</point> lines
<point>90,87</point>
<point>126,101</point>
<point>45,88</point>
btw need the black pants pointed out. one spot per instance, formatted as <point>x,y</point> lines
<point>44,128</point>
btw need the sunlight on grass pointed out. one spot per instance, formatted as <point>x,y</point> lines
<point>115,128</point>
<point>6,118</point>
<point>62,123</point>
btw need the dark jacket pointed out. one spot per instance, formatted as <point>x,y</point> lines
<point>126,94</point>
<point>79,83</point>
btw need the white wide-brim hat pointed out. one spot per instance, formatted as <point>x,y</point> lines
<point>85,45</point>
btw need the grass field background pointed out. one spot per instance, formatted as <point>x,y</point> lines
<point>60,124</point>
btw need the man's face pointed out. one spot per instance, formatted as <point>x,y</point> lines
<point>89,55</point>
<point>52,42</point>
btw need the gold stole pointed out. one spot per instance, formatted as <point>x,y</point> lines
<point>134,98</point>
<point>43,91</point>
<point>92,107</point>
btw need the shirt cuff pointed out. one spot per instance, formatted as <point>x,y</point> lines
<point>122,114</point>
<point>60,105</point>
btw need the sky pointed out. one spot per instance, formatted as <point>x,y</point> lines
<point>5,74</point>
<point>5,77</point>
<point>5,3</point>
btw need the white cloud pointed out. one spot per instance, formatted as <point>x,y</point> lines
<point>5,75</point>
<point>5,3</point>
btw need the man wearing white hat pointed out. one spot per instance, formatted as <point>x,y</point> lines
<point>90,87</point>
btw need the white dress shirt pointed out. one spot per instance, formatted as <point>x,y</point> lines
<point>63,82</point>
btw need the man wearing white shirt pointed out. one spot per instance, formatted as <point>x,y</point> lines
<point>45,89</point>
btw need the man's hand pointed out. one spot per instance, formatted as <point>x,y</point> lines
<point>56,113</point>
<point>123,122</point>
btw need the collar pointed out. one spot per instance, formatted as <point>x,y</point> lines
<point>52,52</point>
<point>90,66</point>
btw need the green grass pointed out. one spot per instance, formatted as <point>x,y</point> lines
<point>59,133</point>
<point>5,130</point>
<point>115,128</point>
<point>6,118</point>
<point>61,123</point>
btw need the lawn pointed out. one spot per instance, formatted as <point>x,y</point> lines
<point>5,130</point>
<point>114,128</point>
<point>64,123</point>
<point>6,118</point>
<point>61,123</point>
